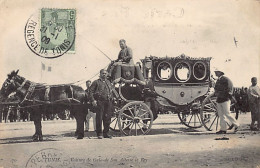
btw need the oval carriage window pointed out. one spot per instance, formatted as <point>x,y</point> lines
<point>164,70</point>
<point>182,71</point>
<point>199,70</point>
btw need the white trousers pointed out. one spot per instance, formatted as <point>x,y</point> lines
<point>89,115</point>
<point>224,113</point>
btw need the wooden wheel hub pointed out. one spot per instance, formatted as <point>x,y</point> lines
<point>137,119</point>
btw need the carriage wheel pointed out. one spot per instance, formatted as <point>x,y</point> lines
<point>135,118</point>
<point>114,120</point>
<point>191,119</point>
<point>209,115</point>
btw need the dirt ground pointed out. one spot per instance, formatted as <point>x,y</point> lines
<point>169,144</point>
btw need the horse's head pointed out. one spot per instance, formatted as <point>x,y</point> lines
<point>11,84</point>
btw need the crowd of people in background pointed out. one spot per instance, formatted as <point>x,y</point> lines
<point>16,114</point>
<point>241,96</point>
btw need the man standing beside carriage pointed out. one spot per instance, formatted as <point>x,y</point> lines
<point>254,104</point>
<point>224,91</point>
<point>101,96</point>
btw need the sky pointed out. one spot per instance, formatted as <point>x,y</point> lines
<point>159,28</point>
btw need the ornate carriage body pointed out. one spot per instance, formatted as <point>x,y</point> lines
<point>181,79</point>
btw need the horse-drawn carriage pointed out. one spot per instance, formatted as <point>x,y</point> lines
<point>180,84</point>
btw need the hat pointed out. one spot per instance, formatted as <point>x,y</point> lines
<point>219,69</point>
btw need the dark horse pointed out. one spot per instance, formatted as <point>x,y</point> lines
<point>41,99</point>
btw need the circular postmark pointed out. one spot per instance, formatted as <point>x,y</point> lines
<point>51,32</point>
<point>50,158</point>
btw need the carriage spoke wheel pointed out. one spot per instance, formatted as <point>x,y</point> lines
<point>191,119</point>
<point>208,113</point>
<point>114,121</point>
<point>135,118</point>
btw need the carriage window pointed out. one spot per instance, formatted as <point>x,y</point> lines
<point>164,70</point>
<point>182,71</point>
<point>199,70</point>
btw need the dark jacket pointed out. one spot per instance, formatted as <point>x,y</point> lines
<point>223,89</point>
<point>101,90</point>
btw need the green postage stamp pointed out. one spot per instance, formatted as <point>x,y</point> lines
<point>54,35</point>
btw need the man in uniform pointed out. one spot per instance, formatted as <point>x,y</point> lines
<point>89,108</point>
<point>224,91</point>
<point>254,104</point>
<point>101,97</point>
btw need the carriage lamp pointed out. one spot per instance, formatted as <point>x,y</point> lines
<point>182,94</point>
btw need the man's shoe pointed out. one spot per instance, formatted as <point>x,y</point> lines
<point>80,137</point>
<point>108,136</point>
<point>99,137</point>
<point>221,132</point>
<point>236,129</point>
<point>86,130</point>
<point>231,126</point>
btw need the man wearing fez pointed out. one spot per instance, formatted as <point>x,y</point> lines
<point>101,97</point>
<point>254,104</point>
<point>224,91</point>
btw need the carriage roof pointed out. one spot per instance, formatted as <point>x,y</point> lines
<point>180,57</point>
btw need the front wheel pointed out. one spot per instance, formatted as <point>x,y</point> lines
<point>135,118</point>
<point>114,120</point>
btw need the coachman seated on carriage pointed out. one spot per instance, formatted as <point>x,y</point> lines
<point>125,56</point>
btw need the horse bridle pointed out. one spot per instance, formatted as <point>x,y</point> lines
<point>29,91</point>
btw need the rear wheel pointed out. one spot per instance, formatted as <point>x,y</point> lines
<point>191,119</point>
<point>191,116</point>
<point>135,118</point>
<point>209,115</point>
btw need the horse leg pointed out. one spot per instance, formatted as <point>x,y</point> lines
<point>1,114</point>
<point>73,115</point>
<point>80,116</point>
<point>38,130</point>
<point>38,125</point>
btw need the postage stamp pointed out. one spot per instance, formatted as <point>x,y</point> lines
<point>52,33</point>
